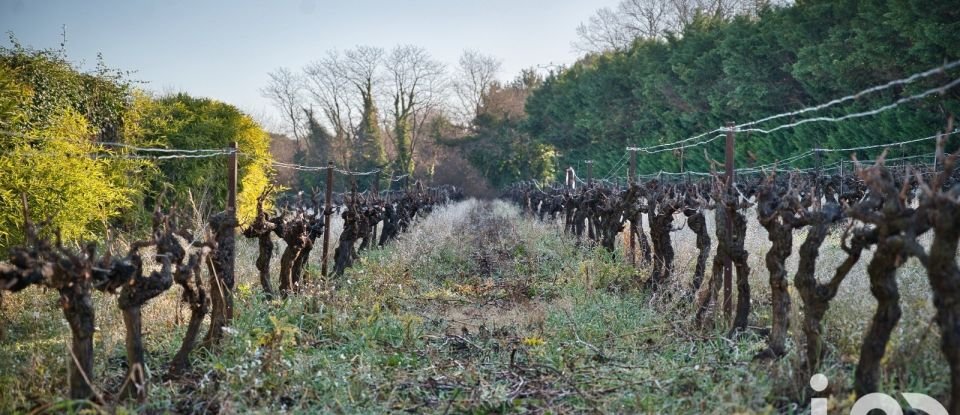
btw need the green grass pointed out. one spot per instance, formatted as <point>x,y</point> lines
<point>476,310</point>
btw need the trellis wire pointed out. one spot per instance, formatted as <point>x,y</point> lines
<point>740,127</point>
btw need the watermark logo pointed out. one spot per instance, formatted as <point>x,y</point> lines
<point>879,401</point>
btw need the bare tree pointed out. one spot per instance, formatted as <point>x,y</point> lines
<point>475,74</point>
<point>433,104</point>
<point>684,12</point>
<point>285,90</point>
<point>265,118</point>
<point>648,18</point>
<point>418,81</point>
<point>328,88</point>
<point>363,70</point>
<point>616,29</point>
<point>605,30</point>
<point>361,67</point>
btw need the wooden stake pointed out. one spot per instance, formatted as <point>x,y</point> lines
<point>589,172</point>
<point>327,211</point>
<point>631,177</point>
<point>232,211</point>
<point>232,178</point>
<point>841,177</point>
<point>376,201</point>
<point>681,161</point>
<point>727,264</point>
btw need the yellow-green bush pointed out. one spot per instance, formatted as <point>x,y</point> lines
<point>182,121</point>
<point>53,118</point>
<point>62,183</point>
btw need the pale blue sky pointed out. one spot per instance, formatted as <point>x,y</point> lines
<point>224,49</point>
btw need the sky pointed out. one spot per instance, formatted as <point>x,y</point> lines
<point>224,49</point>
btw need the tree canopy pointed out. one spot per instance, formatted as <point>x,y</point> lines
<point>715,71</point>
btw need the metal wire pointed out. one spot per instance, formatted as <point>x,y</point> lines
<point>741,127</point>
<point>215,151</point>
<point>903,81</point>
<point>616,167</point>
<point>298,167</point>
<point>176,153</point>
<point>867,147</point>
<point>344,172</point>
<point>165,157</point>
<point>875,111</point>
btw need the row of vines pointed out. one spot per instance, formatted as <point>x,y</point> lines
<point>201,262</point>
<point>884,208</point>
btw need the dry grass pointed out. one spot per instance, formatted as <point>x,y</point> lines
<point>913,362</point>
<point>476,310</point>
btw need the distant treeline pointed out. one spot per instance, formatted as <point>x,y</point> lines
<point>782,59</point>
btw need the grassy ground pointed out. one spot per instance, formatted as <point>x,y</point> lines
<point>476,310</point>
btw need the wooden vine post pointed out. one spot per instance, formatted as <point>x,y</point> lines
<point>589,172</point>
<point>631,178</point>
<point>841,177</point>
<point>935,155</point>
<point>727,264</point>
<point>327,211</point>
<point>818,159</point>
<point>232,193</point>
<point>376,200</point>
<point>687,177</point>
<point>903,161</point>
<point>590,230</point>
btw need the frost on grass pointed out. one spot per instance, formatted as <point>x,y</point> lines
<point>478,308</point>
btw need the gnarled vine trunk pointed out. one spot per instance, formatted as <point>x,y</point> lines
<point>697,222</point>
<point>189,277</point>
<point>344,254</point>
<point>739,256</point>
<point>775,218</point>
<point>663,254</point>
<point>815,296</point>
<point>883,285</point>
<point>220,266</point>
<point>944,276</point>
<point>78,310</point>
